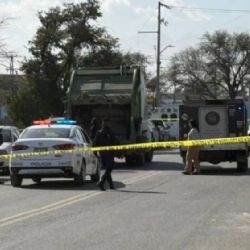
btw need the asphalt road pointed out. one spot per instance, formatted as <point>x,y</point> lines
<point>154,207</point>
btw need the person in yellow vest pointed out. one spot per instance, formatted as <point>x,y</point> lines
<point>192,156</point>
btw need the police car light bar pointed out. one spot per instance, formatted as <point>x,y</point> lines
<point>65,122</point>
<point>50,122</point>
<point>42,122</point>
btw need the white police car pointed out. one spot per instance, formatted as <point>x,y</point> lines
<point>8,135</point>
<point>45,137</point>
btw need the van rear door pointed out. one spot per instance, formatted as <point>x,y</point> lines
<point>213,122</point>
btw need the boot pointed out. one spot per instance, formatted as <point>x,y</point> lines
<point>112,186</point>
<point>101,186</point>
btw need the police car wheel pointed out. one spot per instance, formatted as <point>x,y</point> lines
<point>16,180</point>
<point>96,177</point>
<point>80,178</point>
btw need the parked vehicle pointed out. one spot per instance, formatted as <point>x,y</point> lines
<point>117,93</point>
<point>162,130</point>
<point>64,135</point>
<point>8,135</point>
<point>154,131</point>
<point>217,119</point>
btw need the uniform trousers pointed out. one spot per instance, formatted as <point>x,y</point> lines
<point>107,159</point>
<point>192,159</point>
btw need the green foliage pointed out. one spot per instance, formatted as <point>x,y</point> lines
<point>62,34</point>
<point>68,37</point>
<point>217,68</point>
<point>22,105</point>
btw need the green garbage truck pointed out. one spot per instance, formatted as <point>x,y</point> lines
<point>118,93</point>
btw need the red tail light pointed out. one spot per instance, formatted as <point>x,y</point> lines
<point>18,147</point>
<point>66,146</point>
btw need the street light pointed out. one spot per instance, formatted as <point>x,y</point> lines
<point>166,47</point>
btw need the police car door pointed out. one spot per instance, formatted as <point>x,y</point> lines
<point>91,160</point>
<point>213,123</point>
<point>78,154</point>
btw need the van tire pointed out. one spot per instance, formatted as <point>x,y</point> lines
<point>16,180</point>
<point>242,163</point>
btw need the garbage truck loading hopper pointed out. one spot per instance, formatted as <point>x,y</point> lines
<point>103,92</point>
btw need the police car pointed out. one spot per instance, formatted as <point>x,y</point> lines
<point>48,142</point>
<point>8,135</point>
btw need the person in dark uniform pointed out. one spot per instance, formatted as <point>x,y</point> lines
<point>105,137</point>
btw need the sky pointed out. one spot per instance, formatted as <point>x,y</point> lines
<point>186,22</point>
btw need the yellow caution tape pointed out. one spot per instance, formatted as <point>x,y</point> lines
<point>148,145</point>
<point>175,144</point>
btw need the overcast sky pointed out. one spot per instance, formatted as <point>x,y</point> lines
<point>124,18</point>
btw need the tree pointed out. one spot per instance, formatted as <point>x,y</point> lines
<point>218,67</point>
<point>105,54</point>
<point>63,34</point>
<point>23,104</point>
<point>109,54</point>
<point>68,37</point>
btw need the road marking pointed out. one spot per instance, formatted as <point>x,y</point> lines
<point>141,177</point>
<point>43,210</point>
<point>66,202</point>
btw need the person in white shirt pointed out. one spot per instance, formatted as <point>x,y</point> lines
<point>192,156</point>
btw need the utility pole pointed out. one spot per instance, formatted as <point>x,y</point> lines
<point>158,60</point>
<point>11,56</point>
<point>11,65</point>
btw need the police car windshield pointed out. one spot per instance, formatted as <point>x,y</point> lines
<point>45,133</point>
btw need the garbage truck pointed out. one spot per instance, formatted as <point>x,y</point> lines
<point>217,119</point>
<point>119,94</point>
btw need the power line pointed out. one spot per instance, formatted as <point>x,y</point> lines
<point>209,9</point>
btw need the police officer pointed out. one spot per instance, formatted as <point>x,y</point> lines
<point>105,137</point>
